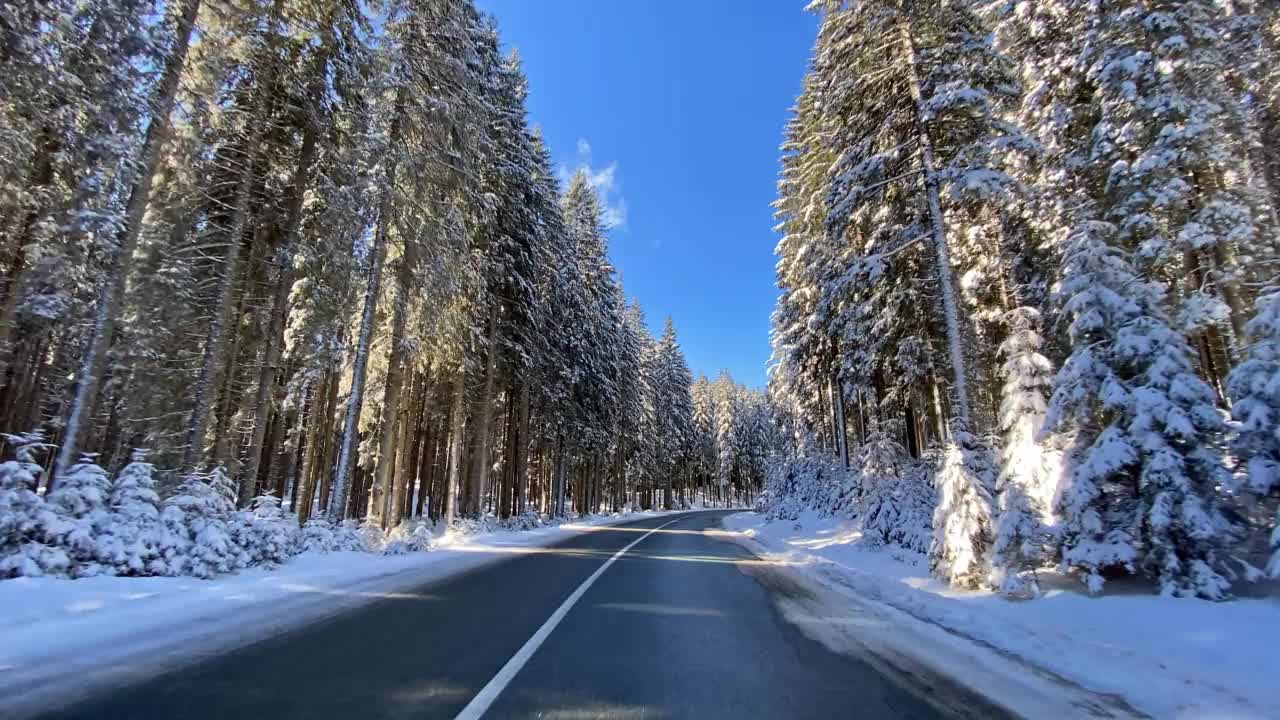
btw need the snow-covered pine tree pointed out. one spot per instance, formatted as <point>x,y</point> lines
<point>111,295</point>
<point>963,521</point>
<point>726,412</point>
<point>1145,463</point>
<point>29,528</point>
<point>1254,388</point>
<point>197,517</point>
<point>80,500</point>
<point>133,540</point>
<point>1171,133</point>
<point>1029,471</point>
<point>267,535</point>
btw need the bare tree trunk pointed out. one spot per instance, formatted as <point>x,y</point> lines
<point>557,479</point>
<point>395,379</point>
<point>318,444</point>
<point>400,482</point>
<point>837,403</point>
<point>305,487</point>
<point>112,294</point>
<point>522,448</point>
<point>507,489</point>
<point>938,229</point>
<point>377,255</point>
<point>455,447</point>
<point>480,459</point>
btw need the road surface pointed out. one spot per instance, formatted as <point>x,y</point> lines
<point>680,625</point>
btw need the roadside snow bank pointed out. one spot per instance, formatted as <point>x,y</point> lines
<point>62,637</point>
<point>1166,657</point>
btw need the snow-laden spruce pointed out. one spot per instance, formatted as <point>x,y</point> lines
<point>80,501</point>
<point>29,529</point>
<point>134,541</point>
<point>963,519</point>
<point>1029,471</point>
<point>267,536</point>
<point>896,499</point>
<point>1146,466</point>
<point>1254,386</point>
<point>887,494</point>
<point>198,517</point>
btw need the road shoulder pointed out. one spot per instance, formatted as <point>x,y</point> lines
<point>818,597</point>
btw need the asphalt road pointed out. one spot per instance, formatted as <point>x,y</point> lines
<point>682,625</point>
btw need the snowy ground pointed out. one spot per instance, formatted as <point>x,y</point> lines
<point>63,637</point>
<point>1066,654</point>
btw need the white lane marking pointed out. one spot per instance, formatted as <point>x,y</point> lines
<point>490,692</point>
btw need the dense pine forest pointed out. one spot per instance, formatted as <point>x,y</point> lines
<point>1028,274</point>
<point>308,259</point>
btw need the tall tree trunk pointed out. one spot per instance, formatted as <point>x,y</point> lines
<point>938,228</point>
<point>455,446</point>
<point>522,448</point>
<point>838,411</point>
<point>395,379</point>
<point>511,440</point>
<point>227,397</point>
<point>484,416</point>
<point>111,296</point>
<point>557,479</point>
<point>403,476</point>
<point>360,365</point>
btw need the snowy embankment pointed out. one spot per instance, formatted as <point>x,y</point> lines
<point>1131,652</point>
<point>62,637</point>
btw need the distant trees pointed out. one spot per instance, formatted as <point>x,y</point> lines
<point>1043,229</point>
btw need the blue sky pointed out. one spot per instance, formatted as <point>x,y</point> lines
<point>676,107</point>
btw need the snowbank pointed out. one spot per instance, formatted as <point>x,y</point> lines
<point>63,638</point>
<point>1166,657</point>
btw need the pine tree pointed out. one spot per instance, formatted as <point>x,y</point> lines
<point>80,500</point>
<point>108,304</point>
<point>28,527</point>
<point>1145,476</point>
<point>963,521</point>
<point>1254,387</point>
<point>133,540</point>
<point>266,535</point>
<point>197,517</point>
<point>1028,470</point>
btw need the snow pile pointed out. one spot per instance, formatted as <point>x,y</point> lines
<point>1164,656</point>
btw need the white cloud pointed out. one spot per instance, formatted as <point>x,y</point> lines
<point>613,206</point>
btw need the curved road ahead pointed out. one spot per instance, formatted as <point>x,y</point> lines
<point>681,625</point>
